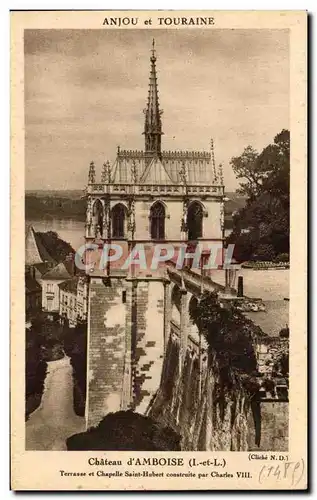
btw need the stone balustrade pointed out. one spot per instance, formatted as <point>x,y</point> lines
<point>193,279</point>
<point>155,189</point>
<point>166,155</point>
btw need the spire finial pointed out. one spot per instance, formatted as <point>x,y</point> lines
<point>153,49</point>
<point>182,173</point>
<point>213,163</point>
<point>106,173</point>
<point>220,170</point>
<point>92,173</point>
<point>153,122</point>
<point>134,172</point>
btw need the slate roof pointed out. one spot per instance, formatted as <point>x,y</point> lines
<point>155,173</point>
<point>43,267</point>
<point>35,251</point>
<point>58,272</point>
<point>69,285</point>
<point>165,169</point>
<point>154,166</point>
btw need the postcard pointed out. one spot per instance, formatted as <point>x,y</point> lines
<point>158,250</point>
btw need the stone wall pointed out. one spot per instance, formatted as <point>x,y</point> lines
<point>212,223</point>
<point>267,350</point>
<point>274,427</point>
<point>128,334</point>
<point>125,345</point>
<point>187,402</point>
<point>109,347</point>
<point>174,213</point>
<point>148,350</point>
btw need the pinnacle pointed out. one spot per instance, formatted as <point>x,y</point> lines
<point>153,124</point>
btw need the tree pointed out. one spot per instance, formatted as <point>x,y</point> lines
<point>264,252</point>
<point>35,371</point>
<point>245,245</point>
<point>230,336</point>
<point>75,345</point>
<point>281,356</point>
<point>246,167</point>
<point>49,335</point>
<point>266,213</point>
<point>126,430</point>
<point>276,156</point>
<point>231,341</point>
<point>58,248</point>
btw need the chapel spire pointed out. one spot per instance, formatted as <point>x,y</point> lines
<point>153,122</point>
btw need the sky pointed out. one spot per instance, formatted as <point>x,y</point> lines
<point>85,91</point>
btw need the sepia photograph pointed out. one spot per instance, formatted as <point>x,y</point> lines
<point>158,311</point>
<point>192,354</point>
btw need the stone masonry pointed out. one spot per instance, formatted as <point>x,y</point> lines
<point>108,339</point>
<point>126,345</point>
<point>149,349</point>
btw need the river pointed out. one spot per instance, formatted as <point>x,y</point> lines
<point>272,285</point>
<point>70,230</point>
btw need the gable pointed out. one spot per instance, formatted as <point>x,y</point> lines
<point>59,272</point>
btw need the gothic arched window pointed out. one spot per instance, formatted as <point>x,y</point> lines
<point>195,221</point>
<point>98,217</point>
<point>157,221</point>
<point>118,220</point>
<point>192,306</point>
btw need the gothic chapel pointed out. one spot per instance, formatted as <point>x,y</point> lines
<point>156,195</point>
<point>145,197</point>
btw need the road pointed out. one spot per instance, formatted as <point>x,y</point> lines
<point>49,425</point>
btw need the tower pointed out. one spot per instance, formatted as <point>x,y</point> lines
<point>144,198</point>
<point>153,123</point>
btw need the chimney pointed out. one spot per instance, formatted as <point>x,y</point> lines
<point>240,286</point>
<point>70,259</point>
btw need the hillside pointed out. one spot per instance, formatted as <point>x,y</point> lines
<point>59,204</point>
<point>72,194</point>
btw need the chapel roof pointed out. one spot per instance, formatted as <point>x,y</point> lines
<point>155,173</point>
<point>166,169</point>
<point>154,166</point>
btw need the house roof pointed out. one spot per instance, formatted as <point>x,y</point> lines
<point>69,285</point>
<point>69,265</point>
<point>35,251</point>
<point>58,272</point>
<point>43,267</point>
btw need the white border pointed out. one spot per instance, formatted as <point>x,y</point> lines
<point>5,156</point>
